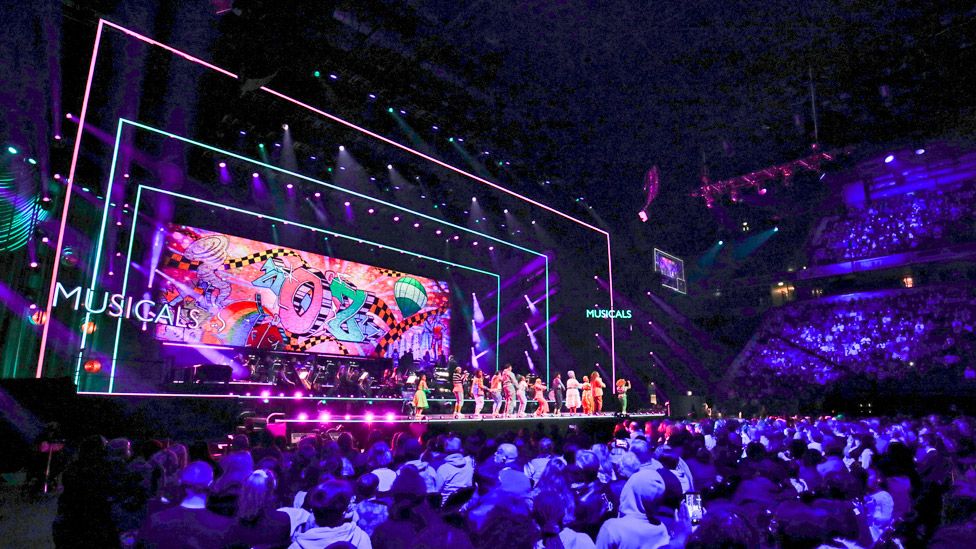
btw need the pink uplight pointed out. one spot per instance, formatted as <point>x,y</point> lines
<point>390,417</point>
<point>369,417</point>
<point>303,417</point>
<point>324,417</point>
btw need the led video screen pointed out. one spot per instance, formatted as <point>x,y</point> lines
<point>237,292</point>
<point>672,271</point>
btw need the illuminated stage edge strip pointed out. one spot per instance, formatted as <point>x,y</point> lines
<point>77,147</point>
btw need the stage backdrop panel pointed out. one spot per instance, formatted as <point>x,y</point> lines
<point>232,291</point>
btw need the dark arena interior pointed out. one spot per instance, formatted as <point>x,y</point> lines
<point>531,274</point>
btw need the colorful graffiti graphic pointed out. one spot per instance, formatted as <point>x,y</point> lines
<point>253,294</point>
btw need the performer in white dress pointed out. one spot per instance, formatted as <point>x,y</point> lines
<point>572,392</point>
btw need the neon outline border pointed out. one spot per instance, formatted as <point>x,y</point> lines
<point>135,217</point>
<point>118,136</point>
<point>80,133</point>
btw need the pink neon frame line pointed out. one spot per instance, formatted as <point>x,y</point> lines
<point>81,128</point>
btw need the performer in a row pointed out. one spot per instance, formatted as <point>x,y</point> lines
<point>478,392</point>
<point>540,397</point>
<point>572,392</point>
<point>558,394</point>
<point>458,378</point>
<point>622,387</point>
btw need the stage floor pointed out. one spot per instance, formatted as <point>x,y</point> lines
<point>390,417</point>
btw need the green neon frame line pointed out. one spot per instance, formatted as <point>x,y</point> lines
<point>101,237</point>
<point>135,216</point>
<point>98,253</point>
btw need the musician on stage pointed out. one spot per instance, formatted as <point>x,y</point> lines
<point>458,378</point>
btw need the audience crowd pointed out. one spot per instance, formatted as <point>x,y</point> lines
<point>771,482</point>
<point>883,335</point>
<point>907,222</point>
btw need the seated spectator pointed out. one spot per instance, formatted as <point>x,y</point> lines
<point>189,524</point>
<point>329,502</point>
<point>257,522</point>
<point>633,529</point>
<point>457,472</point>
<point>369,511</point>
<point>412,520</point>
<point>237,467</point>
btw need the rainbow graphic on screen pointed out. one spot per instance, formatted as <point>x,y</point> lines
<point>263,296</point>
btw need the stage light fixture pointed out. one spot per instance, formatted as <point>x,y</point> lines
<point>368,417</point>
<point>396,219</point>
<point>303,417</point>
<point>318,195</point>
<point>435,128</point>
<point>317,74</point>
<point>254,175</point>
<point>721,242</point>
<point>342,148</point>
<point>260,145</point>
<point>416,225</point>
<point>334,76</point>
<point>389,110</point>
<point>888,159</point>
<point>32,162</point>
<point>346,203</point>
<point>33,264</point>
<point>289,186</point>
<point>389,166</point>
<point>372,96</point>
<point>438,232</point>
<point>222,164</point>
<point>284,127</point>
<point>371,210</point>
<point>11,150</point>
<point>919,151</point>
